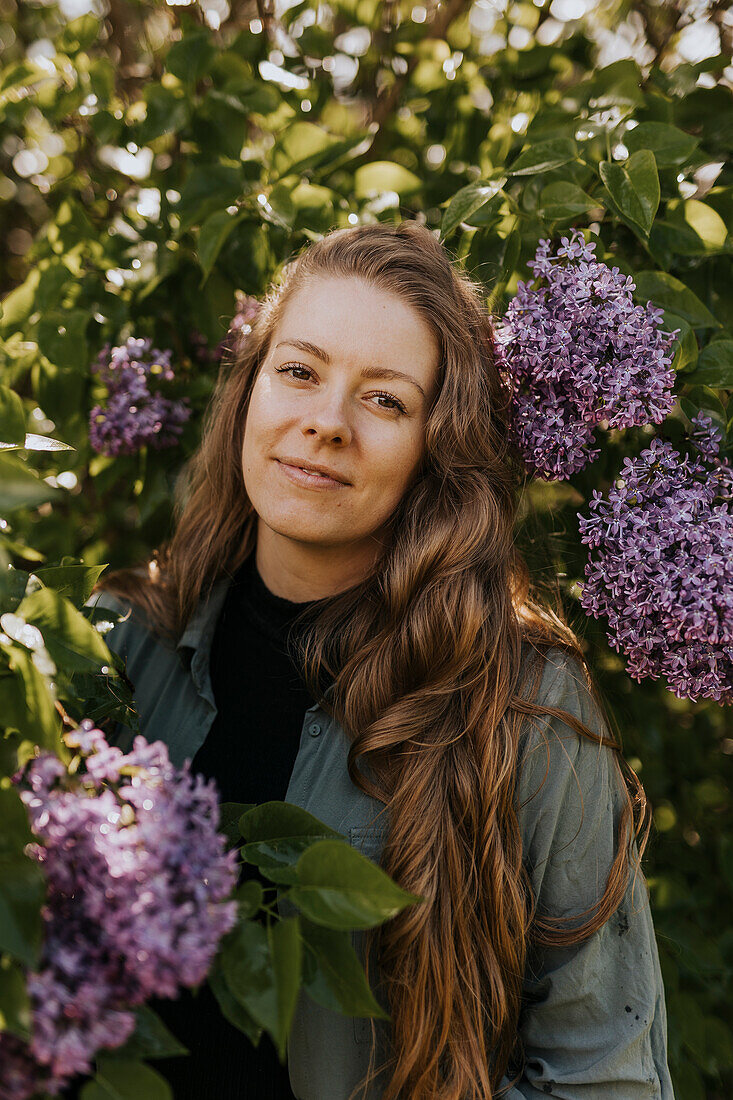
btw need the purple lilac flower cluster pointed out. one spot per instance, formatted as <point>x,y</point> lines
<point>137,885</point>
<point>580,354</point>
<point>663,571</point>
<point>133,416</point>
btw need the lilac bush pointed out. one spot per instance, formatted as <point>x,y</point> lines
<point>662,574</point>
<point>133,416</point>
<point>139,887</point>
<point>581,354</point>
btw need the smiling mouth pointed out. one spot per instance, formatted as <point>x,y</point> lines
<point>309,478</point>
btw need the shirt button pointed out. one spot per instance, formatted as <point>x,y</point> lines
<point>314,730</point>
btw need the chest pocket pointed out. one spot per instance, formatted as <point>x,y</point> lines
<point>370,841</point>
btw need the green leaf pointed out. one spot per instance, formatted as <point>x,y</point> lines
<point>12,418</point>
<point>277,858</point>
<point>167,112</point>
<point>280,834</point>
<point>22,893</point>
<point>715,366</point>
<point>15,1004</point>
<point>16,831</point>
<point>302,145</point>
<point>670,293</point>
<point>209,187</point>
<point>261,968</point>
<point>705,223</point>
<point>246,964</point>
<point>719,1044</point>
<point>342,889</point>
<point>69,637</point>
<point>62,338</point>
<point>39,720</point>
<point>79,34</point>
<point>21,73</point>
<point>74,581</point>
<point>686,352</point>
<point>633,187</point>
<point>229,815</point>
<point>191,57</point>
<point>150,1039</point>
<point>249,896</point>
<point>333,975</point>
<point>271,820</point>
<point>20,487</point>
<point>122,1079</point>
<point>45,443</point>
<point>212,236</point>
<point>231,1009</point>
<point>19,304</point>
<point>13,584</point>
<point>466,202</point>
<point>60,390</point>
<point>670,145</point>
<point>286,951</point>
<point>373,179</point>
<point>543,157</point>
<point>279,208</point>
<point>55,279</point>
<point>564,201</point>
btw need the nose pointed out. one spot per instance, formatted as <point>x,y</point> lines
<point>327,418</point>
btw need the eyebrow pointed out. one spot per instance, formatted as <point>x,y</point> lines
<point>387,373</point>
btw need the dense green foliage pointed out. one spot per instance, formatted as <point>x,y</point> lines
<point>156,160</point>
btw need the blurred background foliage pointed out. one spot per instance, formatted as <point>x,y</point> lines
<point>156,159</point>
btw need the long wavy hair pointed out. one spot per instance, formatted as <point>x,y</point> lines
<point>435,658</point>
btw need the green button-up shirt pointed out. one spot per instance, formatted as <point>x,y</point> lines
<point>594,1021</point>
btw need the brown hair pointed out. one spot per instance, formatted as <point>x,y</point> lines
<point>435,658</point>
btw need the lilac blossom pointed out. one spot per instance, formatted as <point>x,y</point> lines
<point>133,416</point>
<point>139,886</point>
<point>662,574</point>
<point>240,326</point>
<point>580,354</point>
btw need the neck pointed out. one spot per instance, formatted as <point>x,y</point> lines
<point>301,571</point>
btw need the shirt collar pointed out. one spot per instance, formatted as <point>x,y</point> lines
<point>201,625</point>
<point>194,645</point>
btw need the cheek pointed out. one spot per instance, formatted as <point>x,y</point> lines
<point>395,460</point>
<point>263,418</point>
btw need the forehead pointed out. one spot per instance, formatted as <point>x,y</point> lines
<point>360,324</point>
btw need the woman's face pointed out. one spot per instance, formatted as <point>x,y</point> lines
<point>346,385</point>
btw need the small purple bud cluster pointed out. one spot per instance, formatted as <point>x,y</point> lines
<point>240,326</point>
<point>663,572</point>
<point>133,416</point>
<point>580,353</point>
<point>139,887</point>
<point>201,351</point>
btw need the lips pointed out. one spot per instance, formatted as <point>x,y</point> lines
<point>316,471</point>
<point>309,478</point>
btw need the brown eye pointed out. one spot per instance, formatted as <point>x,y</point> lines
<point>397,405</point>
<point>294,366</point>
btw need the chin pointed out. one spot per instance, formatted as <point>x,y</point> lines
<point>307,531</point>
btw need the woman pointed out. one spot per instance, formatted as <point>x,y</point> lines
<point>444,721</point>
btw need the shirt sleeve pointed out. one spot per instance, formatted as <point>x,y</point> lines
<point>593,1022</point>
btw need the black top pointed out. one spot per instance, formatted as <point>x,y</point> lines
<point>250,751</point>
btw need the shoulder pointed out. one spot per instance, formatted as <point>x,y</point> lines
<point>129,630</point>
<point>564,685</point>
<point>569,785</point>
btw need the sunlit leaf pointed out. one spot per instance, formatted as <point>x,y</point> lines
<point>633,187</point>
<point>544,156</point>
